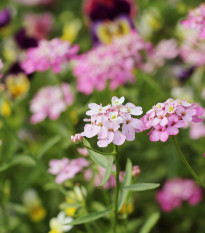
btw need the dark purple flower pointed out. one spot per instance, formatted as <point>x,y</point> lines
<point>24,41</point>
<point>5,17</point>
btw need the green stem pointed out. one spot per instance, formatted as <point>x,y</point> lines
<point>183,158</point>
<point>99,152</point>
<point>117,188</point>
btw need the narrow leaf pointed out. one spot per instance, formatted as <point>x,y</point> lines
<point>90,217</point>
<point>108,171</point>
<point>141,186</point>
<point>98,158</point>
<point>126,182</point>
<point>149,224</point>
<point>48,146</point>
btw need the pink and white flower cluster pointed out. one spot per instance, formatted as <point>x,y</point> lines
<point>50,101</point>
<point>1,66</point>
<point>165,50</point>
<point>175,191</point>
<point>196,20</point>
<point>65,169</point>
<point>114,62</point>
<point>166,118</point>
<point>49,54</point>
<point>111,183</point>
<point>112,123</point>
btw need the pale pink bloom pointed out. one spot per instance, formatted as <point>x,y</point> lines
<point>50,101</point>
<point>197,130</point>
<point>98,177</point>
<point>166,118</point>
<point>38,25</point>
<point>77,138</point>
<point>196,20</point>
<point>83,151</point>
<point>136,171</point>
<point>176,191</point>
<point>113,123</point>
<point>65,169</point>
<point>114,63</point>
<point>165,50</point>
<point>49,54</point>
<point>1,66</point>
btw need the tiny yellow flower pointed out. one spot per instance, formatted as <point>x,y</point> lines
<point>71,30</point>
<point>5,109</point>
<point>37,213</point>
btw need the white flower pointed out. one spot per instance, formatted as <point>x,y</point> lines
<point>116,101</point>
<point>58,224</point>
<point>115,118</point>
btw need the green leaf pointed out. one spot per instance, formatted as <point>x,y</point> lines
<point>149,224</point>
<point>90,217</point>
<point>48,145</point>
<point>108,171</point>
<point>98,158</point>
<point>126,182</point>
<point>141,186</point>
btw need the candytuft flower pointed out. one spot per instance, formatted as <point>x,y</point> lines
<point>49,54</point>
<point>176,191</point>
<point>113,123</point>
<point>77,138</point>
<point>165,119</point>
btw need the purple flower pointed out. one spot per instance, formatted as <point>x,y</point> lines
<point>5,17</point>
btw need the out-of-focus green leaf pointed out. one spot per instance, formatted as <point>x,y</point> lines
<point>90,217</point>
<point>149,224</point>
<point>141,186</point>
<point>126,182</point>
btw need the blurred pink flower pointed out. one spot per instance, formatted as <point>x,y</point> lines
<point>136,171</point>
<point>106,122</point>
<point>1,66</point>
<point>66,169</point>
<point>77,138</point>
<point>98,177</point>
<point>38,25</point>
<point>197,130</point>
<point>82,151</point>
<point>166,118</point>
<point>49,54</point>
<point>50,101</point>
<point>165,50</point>
<point>196,20</point>
<point>175,191</point>
<point>114,62</point>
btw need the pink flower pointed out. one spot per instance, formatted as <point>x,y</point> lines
<point>175,191</point>
<point>77,138</point>
<point>66,169</point>
<point>136,171</point>
<point>105,122</point>
<point>114,62</point>
<point>50,101</point>
<point>49,54</point>
<point>39,25</point>
<point>83,151</point>
<point>111,183</point>
<point>1,66</point>
<point>165,50</point>
<point>166,118</point>
<point>197,130</point>
<point>196,20</point>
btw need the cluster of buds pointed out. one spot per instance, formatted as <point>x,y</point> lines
<point>77,138</point>
<point>166,118</point>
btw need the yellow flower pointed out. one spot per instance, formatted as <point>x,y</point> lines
<point>70,211</point>
<point>37,213</point>
<point>5,109</point>
<point>130,208</point>
<point>17,84</point>
<point>71,30</point>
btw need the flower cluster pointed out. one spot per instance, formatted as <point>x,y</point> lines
<point>166,118</point>
<point>49,54</point>
<point>176,191</point>
<point>196,20</point>
<point>114,62</point>
<point>106,122</point>
<point>66,169</point>
<point>111,183</point>
<point>165,50</point>
<point>50,101</point>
